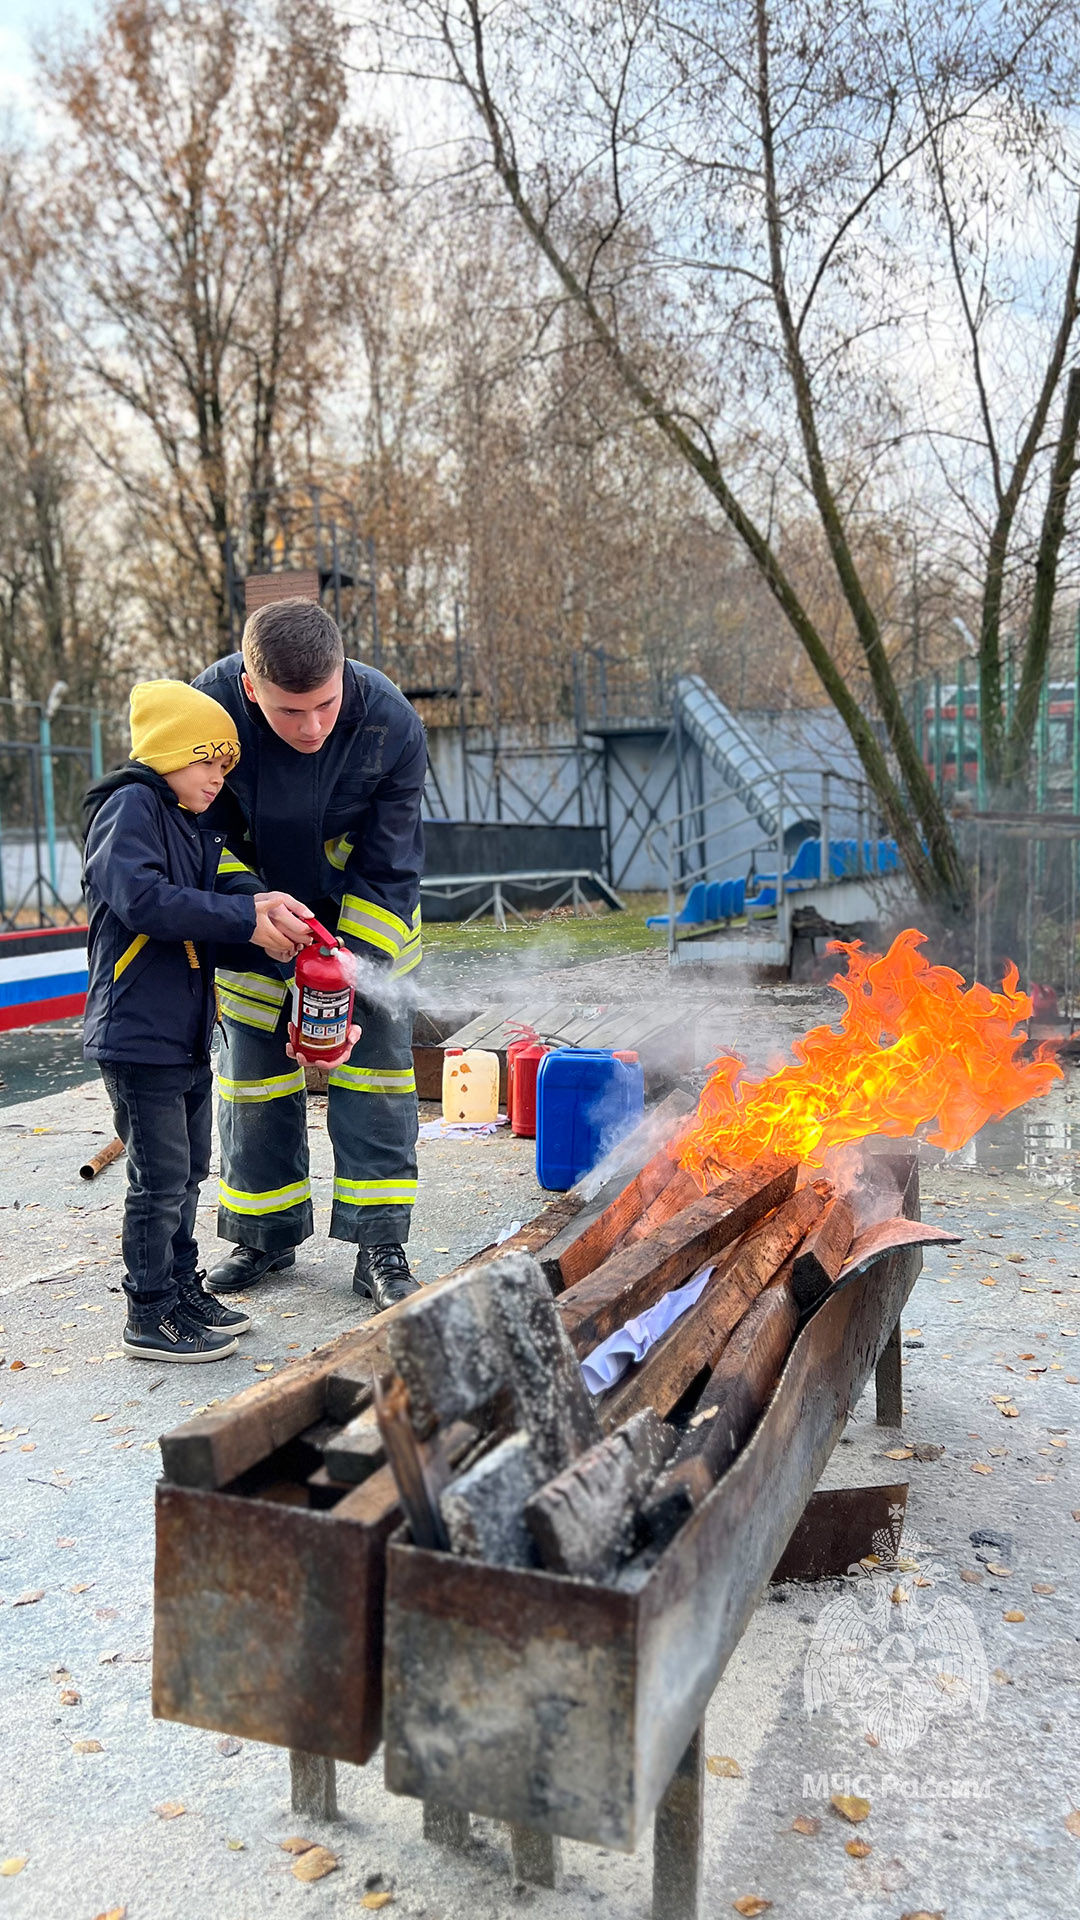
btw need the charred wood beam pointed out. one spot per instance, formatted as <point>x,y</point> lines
<point>822,1254</point>
<point>583,1521</point>
<point>738,1389</point>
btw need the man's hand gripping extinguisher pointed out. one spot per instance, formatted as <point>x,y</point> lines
<point>322,1001</point>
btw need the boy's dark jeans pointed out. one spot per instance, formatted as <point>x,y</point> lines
<point>163,1116</point>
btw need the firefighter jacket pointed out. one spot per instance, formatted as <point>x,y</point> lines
<point>163,892</point>
<point>339,829</point>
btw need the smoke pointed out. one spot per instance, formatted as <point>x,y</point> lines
<point>379,987</point>
<point>656,1130</point>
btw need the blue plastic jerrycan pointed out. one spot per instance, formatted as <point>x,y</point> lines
<point>585,1102</point>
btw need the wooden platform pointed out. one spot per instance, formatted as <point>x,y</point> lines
<point>664,1035</point>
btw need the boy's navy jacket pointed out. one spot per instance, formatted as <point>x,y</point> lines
<point>162,893</point>
<point>339,829</point>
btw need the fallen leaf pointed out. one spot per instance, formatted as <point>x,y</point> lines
<point>995,1566</point>
<point>1003,1679</point>
<point>1058,1443</point>
<point>927,1451</point>
<point>69,1697</point>
<point>170,1810</point>
<point>373,1901</point>
<point>973,1578</point>
<point>29,1599</point>
<point>979,1466</point>
<point>1009,1412</point>
<point>9,1868</point>
<point>1044,1479</point>
<point>923,1913</point>
<point>17,1366</point>
<point>1018,1259</point>
<point>264,1366</point>
<point>851,1805</point>
<point>858,1849</point>
<point>988,1282</point>
<point>228,1746</point>
<point>805,1823</point>
<point>82,1586</point>
<point>62,1542</point>
<point>1014,1614</point>
<point>899,1453</point>
<point>899,1596</point>
<point>96,1418</point>
<point>1072,1822</point>
<point>723,1765</point>
<point>1040,1586</point>
<point>751,1904</point>
<point>235,1846</point>
<point>295,1844</point>
<point>87,1746</point>
<point>114,1913</point>
<point>315,1864</point>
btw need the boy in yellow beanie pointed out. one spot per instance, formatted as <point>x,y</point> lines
<point>163,893</point>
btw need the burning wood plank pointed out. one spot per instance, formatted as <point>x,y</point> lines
<point>637,1179</point>
<point>695,1341</point>
<point>638,1276</point>
<point>583,1521</point>
<point>822,1254</point>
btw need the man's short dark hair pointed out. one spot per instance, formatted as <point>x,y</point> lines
<point>292,643</point>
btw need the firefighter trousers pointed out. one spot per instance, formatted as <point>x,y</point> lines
<point>265,1190</point>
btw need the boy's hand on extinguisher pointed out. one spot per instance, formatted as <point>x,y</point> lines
<point>325,1059</point>
<point>289,917</point>
<point>273,927</point>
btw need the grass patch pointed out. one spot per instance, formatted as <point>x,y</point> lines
<point>549,935</point>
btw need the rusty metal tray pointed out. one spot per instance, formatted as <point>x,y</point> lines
<point>565,1706</point>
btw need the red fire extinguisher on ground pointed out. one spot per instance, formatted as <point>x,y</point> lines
<point>322,998</point>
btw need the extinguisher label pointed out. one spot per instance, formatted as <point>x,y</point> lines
<point>324,1017</point>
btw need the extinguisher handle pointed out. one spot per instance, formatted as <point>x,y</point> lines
<point>317,928</point>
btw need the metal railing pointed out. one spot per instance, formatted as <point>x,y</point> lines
<point>676,848</point>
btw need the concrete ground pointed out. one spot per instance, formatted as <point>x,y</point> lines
<point>968,1819</point>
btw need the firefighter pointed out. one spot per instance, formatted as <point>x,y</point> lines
<point>327,791</point>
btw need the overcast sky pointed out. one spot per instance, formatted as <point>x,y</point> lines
<point>18,20</point>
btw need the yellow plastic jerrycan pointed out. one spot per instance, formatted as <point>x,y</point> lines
<point>470,1084</point>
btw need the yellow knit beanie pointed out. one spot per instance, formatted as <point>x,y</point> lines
<point>173,724</point>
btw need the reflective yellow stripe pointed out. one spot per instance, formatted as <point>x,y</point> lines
<point>229,863</point>
<point>277,1200</point>
<point>247,1013</point>
<point>245,1092</point>
<point>375,1193</point>
<point>409,957</point>
<point>366,921</point>
<point>374,1079</point>
<point>129,954</point>
<point>254,986</point>
<point>338,851</point>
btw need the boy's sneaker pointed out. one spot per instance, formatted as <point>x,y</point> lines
<point>199,1304</point>
<point>173,1336</point>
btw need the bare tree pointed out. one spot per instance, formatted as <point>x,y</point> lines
<point>214,198</point>
<point>808,195</point>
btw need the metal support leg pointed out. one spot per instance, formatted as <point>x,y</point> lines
<point>537,1857</point>
<point>889,1383</point>
<point>314,1784</point>
<point>446,1826</point>
<point>678,1837</point>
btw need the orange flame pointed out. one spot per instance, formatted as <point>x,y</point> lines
<point>913,1046</point>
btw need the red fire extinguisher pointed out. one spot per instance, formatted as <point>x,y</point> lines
<point>322,998</point>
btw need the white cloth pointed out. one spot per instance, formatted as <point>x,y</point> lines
<point>459,1129</point>
<point>610,1360</point>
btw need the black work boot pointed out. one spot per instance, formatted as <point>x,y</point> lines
<point>170,1335</point>
<point>199,1304</point>
<point>245,1265</point>
<point>383,1274</point>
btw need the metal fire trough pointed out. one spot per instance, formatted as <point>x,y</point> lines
<point>561,1706</point>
